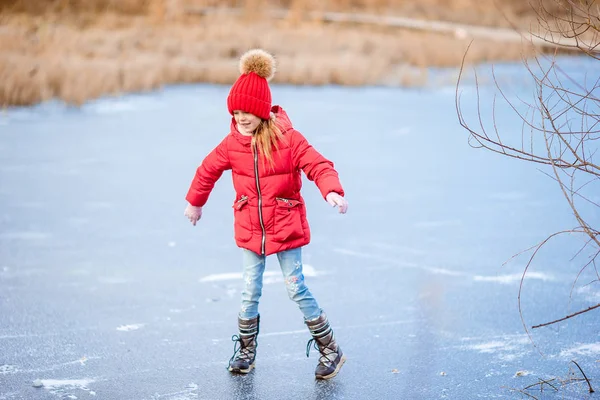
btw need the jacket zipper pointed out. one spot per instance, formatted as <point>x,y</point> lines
<point>260,216</point>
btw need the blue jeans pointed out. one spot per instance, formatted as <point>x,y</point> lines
<point>290,262</point>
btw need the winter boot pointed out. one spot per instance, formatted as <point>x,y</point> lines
<point>332,358</point>
<point>244,350</point>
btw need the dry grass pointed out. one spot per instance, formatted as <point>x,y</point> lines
<point>37,7</point>
<point>71,50</point>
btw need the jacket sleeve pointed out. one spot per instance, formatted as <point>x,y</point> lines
<point>207,174</point>
<point>316,167</point>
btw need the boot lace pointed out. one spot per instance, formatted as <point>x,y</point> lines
<point>323,349</point>
<point>240,352</point>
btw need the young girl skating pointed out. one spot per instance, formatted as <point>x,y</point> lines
<point>266,155</point>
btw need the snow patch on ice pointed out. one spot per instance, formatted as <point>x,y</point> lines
<point>395,247</point>
<point>130,327</point>
<point>399,263</point>
<point>180,396</point>
<point>8,369</point>
<point>506,348</point>
<point>489,347</point>
<point>349,252</point>
<point>590,294</point>
<point>511,356</point>
<point>587,349</point>
<point>268,276</point>
<point>181,310</point>
<point>58,386</point>
<point>223,277</point>
<point>112,280</point>
<point>513,278</point>
<point>81,361</point>
<point>443,271</point>
<point>189,393</point>
<point>376,257</point>
<point>24,235</point>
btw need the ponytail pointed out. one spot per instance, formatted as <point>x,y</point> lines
<point>266,138</point>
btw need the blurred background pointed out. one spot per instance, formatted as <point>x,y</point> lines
<point>78,50</point>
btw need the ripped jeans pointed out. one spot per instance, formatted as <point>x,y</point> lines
<point>290,262</point>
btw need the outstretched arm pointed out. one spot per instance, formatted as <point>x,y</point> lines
<point>317,168</point>
<point>207,174</point>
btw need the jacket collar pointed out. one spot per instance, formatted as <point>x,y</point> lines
<point>243,139</point>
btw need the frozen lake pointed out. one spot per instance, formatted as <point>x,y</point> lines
<point>107,291</point>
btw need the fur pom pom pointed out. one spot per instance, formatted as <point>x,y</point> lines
<point>258,61</point>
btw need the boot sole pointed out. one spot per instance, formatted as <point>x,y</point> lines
<point>241,371</point>
<point>335,372</point>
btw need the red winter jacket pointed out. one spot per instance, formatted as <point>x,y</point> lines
<point>269,211</point>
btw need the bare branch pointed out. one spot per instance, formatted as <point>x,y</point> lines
<point>560,127</point>
<point>586,378</point>
<point>566,317</point>
<point>542,382</point>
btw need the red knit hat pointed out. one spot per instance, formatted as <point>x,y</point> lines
<point>251,93</point>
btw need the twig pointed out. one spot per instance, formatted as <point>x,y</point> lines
<point>583,373</point>
<point>526,394</point>
<point>541,384</point>
<point>567,317</point>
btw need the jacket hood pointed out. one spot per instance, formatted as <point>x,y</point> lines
<point>281,120</point>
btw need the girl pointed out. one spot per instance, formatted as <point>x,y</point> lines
<point>266,154</point>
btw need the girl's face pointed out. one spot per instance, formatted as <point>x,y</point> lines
<point>246,122</point>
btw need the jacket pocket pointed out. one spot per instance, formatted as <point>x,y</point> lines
<point>242,224</point>
<point>288,220</point>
